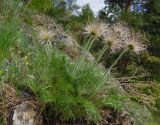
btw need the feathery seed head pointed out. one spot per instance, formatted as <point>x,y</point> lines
<point>114,41</point>
<point>122,30</point>
<point>97,29</point>
<point>134,44</point>
<point>46,36</point>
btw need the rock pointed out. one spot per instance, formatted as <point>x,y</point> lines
<point>26,113</point>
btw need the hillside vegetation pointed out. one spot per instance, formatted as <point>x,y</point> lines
<point>61,68</point>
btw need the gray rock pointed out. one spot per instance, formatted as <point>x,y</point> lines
<point>26,114</point>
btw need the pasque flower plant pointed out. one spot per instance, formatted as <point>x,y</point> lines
<point>46,36</point>
<point>133,44</point>
<point>121,29</point>
<point>116,37</point>
<point>114,41</point>
<point>95,31</point>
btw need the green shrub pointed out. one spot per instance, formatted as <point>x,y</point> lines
<point>40,5</point>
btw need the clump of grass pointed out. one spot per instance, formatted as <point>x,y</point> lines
<point>53,84</point>
<point>9,28</point>
<point>8,36</point>
<point>47,75</point>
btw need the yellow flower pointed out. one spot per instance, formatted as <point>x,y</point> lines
<point>26,63</point>
<point>25,57</point>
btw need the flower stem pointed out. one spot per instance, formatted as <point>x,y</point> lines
<point>87,45</point>
<point>90,44</point>
<point>100,55</point>
<point>115,62</point>
<point>82,59</point>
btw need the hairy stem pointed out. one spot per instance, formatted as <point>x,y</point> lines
<point>82,59</point>
<point>115,62</point>
<point>100,56</point>
<point>91,43</point>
